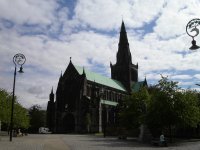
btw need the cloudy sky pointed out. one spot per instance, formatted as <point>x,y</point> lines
<point>49,32</point>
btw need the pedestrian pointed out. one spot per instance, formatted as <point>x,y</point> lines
<point>162,140</point>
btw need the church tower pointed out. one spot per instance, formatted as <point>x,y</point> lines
<point>51,96</point>
<point>50,111</point>
<point>124,71</point>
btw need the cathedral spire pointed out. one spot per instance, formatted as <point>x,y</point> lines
<point>123,36</point>
<point>52,90</point>
<point>51,95</point>
<point>145,82</point>
<point>84,72</point>
<point>123,54</point>
<point>124,71</point>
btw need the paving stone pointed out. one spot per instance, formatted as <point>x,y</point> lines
<point>83,142</point>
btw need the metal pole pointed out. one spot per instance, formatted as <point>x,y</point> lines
<point>18,59</point>
<point>12,107</point>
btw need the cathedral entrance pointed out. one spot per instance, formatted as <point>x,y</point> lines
<point>69,123</point>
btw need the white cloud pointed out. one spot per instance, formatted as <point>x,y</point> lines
<point>187,84</point>
<point>175,16</point>
<point>107,14</point>
<point>181,77</point>
<point>197,76</point>
<point>28,11</point>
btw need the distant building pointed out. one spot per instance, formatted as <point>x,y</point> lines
<point>86,100</point>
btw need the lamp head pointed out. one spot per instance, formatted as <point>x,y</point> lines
<point>194,46</point>
<point>21,70</point>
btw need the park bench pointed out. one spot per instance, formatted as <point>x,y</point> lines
<point>122,137</point>
<point>155,141</point>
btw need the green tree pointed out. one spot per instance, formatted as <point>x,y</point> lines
<point>134,112</point>
<point>164,107</point>
<point>161,109</point>
<point>187,108</point>
<point>5,107</point>
<point>20,118</point>
<point>37,118</point>
<point>170,107</point>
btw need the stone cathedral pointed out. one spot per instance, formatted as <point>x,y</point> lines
<point>85,101</point>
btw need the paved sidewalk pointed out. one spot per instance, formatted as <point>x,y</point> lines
<point>33,142</point>
<point>84,142</point>
<point>89,142</point>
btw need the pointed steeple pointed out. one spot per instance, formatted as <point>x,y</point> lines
<point>145,81</point>
<point>70,60</point>
<point>51,95</point>
<point>84,72</point>
<point>52,90</point>
<point>110,64</point>
<point>124,70</point>
<point>123,54</point>
<point>123,36</point>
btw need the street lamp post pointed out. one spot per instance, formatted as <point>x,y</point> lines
<point>192,30</point>
<point>18,59</point>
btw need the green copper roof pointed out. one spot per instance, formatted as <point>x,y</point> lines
<point>106,102</point>
<point>136,86</point>
<point>94,77</point>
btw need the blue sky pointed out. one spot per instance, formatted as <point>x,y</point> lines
<point>49,32</point>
